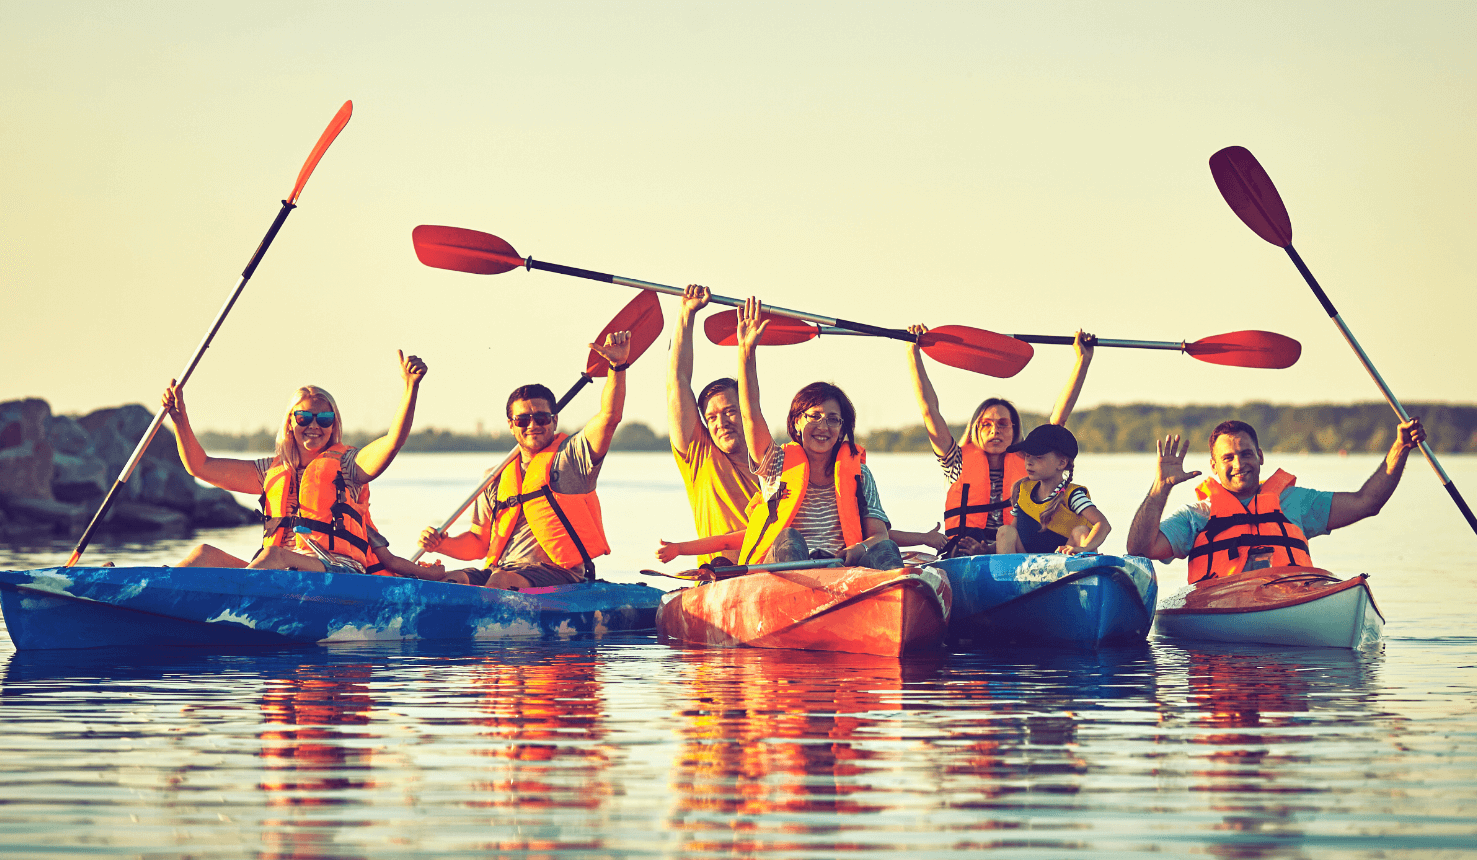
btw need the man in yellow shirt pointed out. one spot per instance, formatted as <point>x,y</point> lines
<point>707,435</point>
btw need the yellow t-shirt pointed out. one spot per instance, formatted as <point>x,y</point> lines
<point>717,491</point>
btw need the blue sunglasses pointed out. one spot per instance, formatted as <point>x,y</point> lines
<point>303,418</point>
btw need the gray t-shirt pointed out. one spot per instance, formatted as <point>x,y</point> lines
<point>574,472</point>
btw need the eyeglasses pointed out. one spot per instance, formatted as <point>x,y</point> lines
<point>303,418</point>
<point>542,419</point>
<point>832,421</point>
<point>992,424</point>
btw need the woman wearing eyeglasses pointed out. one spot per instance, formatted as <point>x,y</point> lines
<point>817,498</point>
<point>979,471</point>
<point>314,488</point>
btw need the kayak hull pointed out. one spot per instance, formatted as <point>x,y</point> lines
<point>855,610</point>
<point>83,607</point>
<point>1296,606</point>
<point>1075,601</point>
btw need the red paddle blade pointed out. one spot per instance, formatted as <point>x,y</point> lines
<point>722,329</point>
<point>340,120</point>
<point>464,250</point>
<point>642,317</point>
<point>1247,349</point>
<point>1251,195</point>
<point>976,350</point>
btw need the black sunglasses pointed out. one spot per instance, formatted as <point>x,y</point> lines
<point>303,418</point>
<point>542,419</point>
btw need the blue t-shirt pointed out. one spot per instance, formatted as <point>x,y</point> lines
<point>1307,509</point>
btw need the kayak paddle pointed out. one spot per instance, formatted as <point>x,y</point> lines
<point>1236,349</point>
<point>462,250</point>
<point>642,317</point>
<point>340,120</point>
<point>711,573</point>
<point>1251,195</point>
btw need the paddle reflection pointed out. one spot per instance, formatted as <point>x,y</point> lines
<point>777,732</point>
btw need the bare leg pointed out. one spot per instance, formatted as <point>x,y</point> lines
<point>1007,540</point>
<point>282,558</point>
<point>789,545</point>
<point>206,555</point>
<point>506,580</point>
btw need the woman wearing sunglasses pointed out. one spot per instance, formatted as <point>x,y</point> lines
<point>817,498</point>
<point>314,488</point>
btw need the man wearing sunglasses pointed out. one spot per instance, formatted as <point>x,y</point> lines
<point>539,523</point>
<point>707,435</point>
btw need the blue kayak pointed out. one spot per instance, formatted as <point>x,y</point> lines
<point>1049,599</point>
<point>98,607</point>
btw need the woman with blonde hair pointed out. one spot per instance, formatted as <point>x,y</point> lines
<point>314,488</point>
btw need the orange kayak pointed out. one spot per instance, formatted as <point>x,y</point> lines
<point>852,609</point>
<point>1305,606</point>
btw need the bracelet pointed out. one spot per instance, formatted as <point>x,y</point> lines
<point>620,367</point>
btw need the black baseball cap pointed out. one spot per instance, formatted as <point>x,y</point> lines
<point>1048,439</point>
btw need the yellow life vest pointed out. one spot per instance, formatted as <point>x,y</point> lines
<point>1063,521</point>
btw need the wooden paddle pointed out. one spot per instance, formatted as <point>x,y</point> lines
<point>340,120</point>
<point>710,573</point>
<point>642,317</point>
<point>1237,349</point>
<point>479,253</point>
<point>1251,195</point>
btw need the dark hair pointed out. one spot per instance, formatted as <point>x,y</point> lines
<point>712,388</point>
<point>814,395</point>
<point>532,392</point>
<point>971,433</point>
<point>1226,428</point>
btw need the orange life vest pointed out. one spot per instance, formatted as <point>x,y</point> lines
<point>322,502</point>
<point>567,526</point>
<point>1218,548</point>
<point>968,507</point>
<point>767,517</point>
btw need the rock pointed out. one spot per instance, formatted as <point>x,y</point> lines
<point>217,508</point>
<point>68,437</point>
<point>59,517</point>
<point>25,451</point>
<point>140,517</point>
<point>79,478</point>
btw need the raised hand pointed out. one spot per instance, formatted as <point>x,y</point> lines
<point>1410,434</point>
<point>173,400</point>
<point>1171,464</point>
<point>1084,343</point>
<point>917,331</point>
<point>695,298</point>
<point>412,369</point>
<point>750,326</point>
<point>616,349</point>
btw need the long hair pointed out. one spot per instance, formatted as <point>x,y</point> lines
<point>286,444</point>
<point>814,395</point>
<point>972,432</point>
<point>1058,495</point>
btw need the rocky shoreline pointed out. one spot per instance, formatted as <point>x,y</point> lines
<point>55,470</point>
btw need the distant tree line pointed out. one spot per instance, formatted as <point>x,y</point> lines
<point>1361,427</point>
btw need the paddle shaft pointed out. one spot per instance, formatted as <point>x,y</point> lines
<point>1058,339</point>
<point>149,434</point>
<point>859,328</point>
<point>584,380</point>
<point>803,564</point>
<point>1374,374</point>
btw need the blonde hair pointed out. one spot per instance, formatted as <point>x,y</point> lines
<point>287,445</point>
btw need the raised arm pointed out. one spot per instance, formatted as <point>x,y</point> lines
<point>375,458</point>
<point>238,476</point>
<point>682,414</point>
<point>750,329</point>
<point>1348,508</point>
<point>1083,344</point>
<point>939,435</point>
<point>601,429</point>
<point>1144,536</point>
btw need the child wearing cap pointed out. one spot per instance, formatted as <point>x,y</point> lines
<point>1052,514</point>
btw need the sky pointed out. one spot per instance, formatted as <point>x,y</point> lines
<point>1022,168</point>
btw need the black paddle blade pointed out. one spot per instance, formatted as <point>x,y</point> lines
<point>1251,195</point>
<point>722,329</point>
<point>642,317</point>
<point>462,250</point>
<point>976,350</point>
<point>1265,349</point>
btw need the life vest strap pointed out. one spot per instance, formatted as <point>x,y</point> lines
<point>773,503</point>
<point>1232,545</point>
<point>334,533</point>
<point>966,510</point>
<point>1216,525</point>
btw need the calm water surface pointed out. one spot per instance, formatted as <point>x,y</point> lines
<point>626,747</point>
